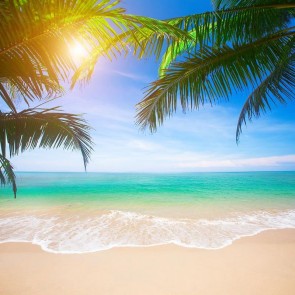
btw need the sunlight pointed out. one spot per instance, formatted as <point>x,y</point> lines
<point>78,51</point>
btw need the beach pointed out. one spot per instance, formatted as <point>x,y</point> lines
<point>261,264</point>
<point>152,180</point>
<point>182,234</point>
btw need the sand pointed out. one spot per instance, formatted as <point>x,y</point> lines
<point>262,264</point>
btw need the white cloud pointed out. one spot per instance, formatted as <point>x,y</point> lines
<point>144,145</point>
<point>239,163</point>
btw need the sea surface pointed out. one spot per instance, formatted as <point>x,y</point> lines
<point>88,212</point>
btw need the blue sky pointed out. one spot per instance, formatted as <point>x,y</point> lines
<point>202,140</point>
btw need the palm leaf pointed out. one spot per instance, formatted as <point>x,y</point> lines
<point>7,175</point>
<point>232,21</point>
<point>236,24</point>
<point>233,4</point>
<point>49,90</point>
<point>44,128</point>
<point>209,75</point>
<point>141,36</point>
<point>176,49</point>
<point>36,36</point>
<point>277,87</point>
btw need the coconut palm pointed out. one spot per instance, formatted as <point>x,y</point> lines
<point>36,37</point>
<point>245,44</point>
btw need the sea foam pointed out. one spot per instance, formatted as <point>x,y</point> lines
<point>76,234</point>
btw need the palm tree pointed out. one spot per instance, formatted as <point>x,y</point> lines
<point>36,37</point>
<point>245,44</point>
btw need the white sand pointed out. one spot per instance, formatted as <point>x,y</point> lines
<point>263,264</point>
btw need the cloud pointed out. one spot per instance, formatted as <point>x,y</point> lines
<point>260,162</point>
<point>144,145</point>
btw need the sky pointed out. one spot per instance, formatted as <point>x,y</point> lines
<point>202,140</point>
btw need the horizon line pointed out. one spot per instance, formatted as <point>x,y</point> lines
<point>153,172</point>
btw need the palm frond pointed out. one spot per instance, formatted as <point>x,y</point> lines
<point>7,98</point>
<point>176,49</point>
<point>7,175</point>
<point>44,128</point>
<point>231,22</point>
<point>209,75</point>
<point>36,37</point>
<point>26,89</point>
<point>233,4</point>
<point>236,24</point>
<point>278,86</point>
<point>140,36</point>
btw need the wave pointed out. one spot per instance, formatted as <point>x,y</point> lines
<point>75,234</point>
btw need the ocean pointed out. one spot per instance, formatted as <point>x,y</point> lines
<point>89,212</point>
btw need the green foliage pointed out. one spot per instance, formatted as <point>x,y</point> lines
<point>44,128</point>
<point>35,61</point>
<point>240,45</point>
<point>36,37</point>
<point>40,128</point>
<point>278,86</point>
<point>7,175</point>
<point>140,36</point>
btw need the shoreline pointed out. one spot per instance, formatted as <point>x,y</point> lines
<point>260,264</point>
<point>172,244</point>
<point>56,232</point>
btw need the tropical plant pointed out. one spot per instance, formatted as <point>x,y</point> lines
<point>36,37</point>
<point>44,128</point>
<point>245,44</point>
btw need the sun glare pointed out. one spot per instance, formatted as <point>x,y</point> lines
<point>78,51</point>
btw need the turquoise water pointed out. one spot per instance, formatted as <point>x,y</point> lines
<point>84,212</point>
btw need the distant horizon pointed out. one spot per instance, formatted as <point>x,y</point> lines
<point>155,172</point>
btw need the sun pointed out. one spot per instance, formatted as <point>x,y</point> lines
<point>78,51</point>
